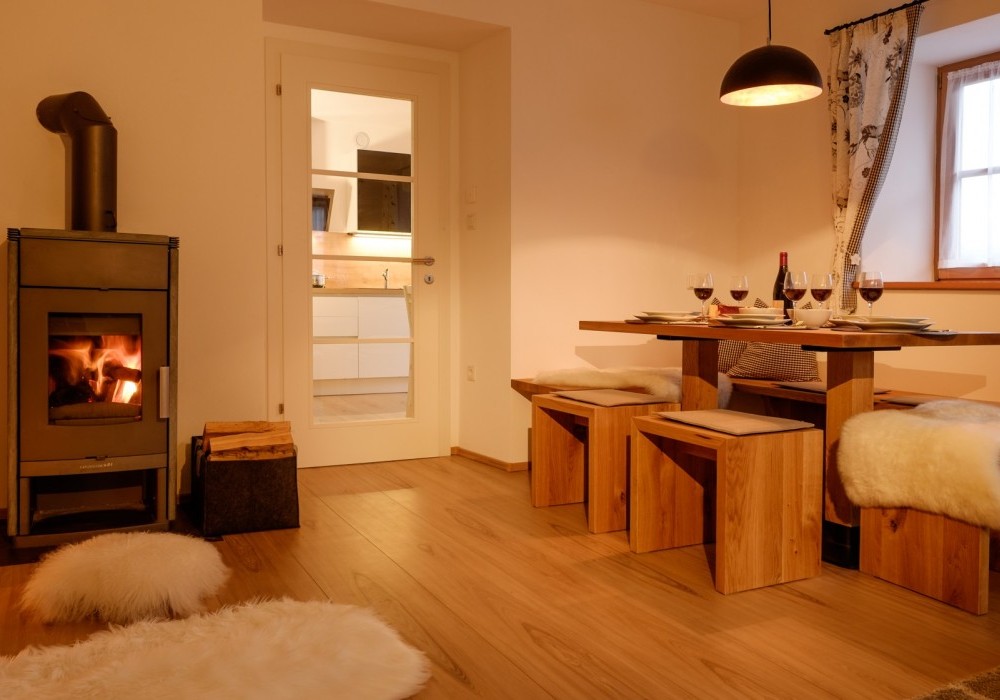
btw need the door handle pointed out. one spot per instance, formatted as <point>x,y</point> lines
<point>423,261</point>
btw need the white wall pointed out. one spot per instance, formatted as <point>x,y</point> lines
<point>625,172</point>
<point>182,83</point>
<point>622,177</point>
<point>785,200</point>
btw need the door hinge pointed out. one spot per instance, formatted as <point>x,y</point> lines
<point>281,250</point>
<point>277,89</point>
<point>281,409</point>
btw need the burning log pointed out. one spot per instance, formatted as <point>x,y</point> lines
<point>123,374</point>
<point>242,440</point>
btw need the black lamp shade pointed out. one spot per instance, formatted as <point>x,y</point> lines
<point>771,75</point>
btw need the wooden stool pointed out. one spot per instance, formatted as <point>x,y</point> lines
<point>570,465</point>
<point>760,495</point>
<point>929,553</point>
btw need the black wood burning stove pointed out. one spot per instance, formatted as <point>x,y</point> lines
<point>91,394</point>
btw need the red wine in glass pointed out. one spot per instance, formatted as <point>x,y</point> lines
<point>795,287</point>
<point>739,287</point>
<point>870,287</point>
<point>821,295</point>
<point>871,294</point>
<point>702,284</point>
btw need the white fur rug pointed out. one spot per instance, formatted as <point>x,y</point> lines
<point>122,577</point>
<point>664,382</point>
<point>940,457</point>
<point>275,650</point>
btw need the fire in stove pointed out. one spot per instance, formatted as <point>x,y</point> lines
<point>95,377</point>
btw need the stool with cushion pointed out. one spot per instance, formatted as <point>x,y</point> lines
<point>758,494</point>
<point>928,484</point>
<point>579,450</point>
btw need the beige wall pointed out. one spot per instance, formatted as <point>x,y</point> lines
<point>624,172</point>
<point>182,83</point>
<point>784,201</point>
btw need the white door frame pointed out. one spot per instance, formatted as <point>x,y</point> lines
<point>443,66</point>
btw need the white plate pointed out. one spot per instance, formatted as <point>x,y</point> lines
<point>667,316</point>
<point>769,317</point>
<point>866,325</point>
<point>758,311</point>
<point>741,320</point>
<point>671,314</point>
<point>885,319</point>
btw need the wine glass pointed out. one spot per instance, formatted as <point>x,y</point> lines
<point>796,284</point>
<point>822,287</point>
<point>870,287</point>
<point>739,287</point>
<point>702,285</point>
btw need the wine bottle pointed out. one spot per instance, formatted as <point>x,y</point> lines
<point>778,298</point>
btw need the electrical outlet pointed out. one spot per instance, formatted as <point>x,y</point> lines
<point>470,373</point>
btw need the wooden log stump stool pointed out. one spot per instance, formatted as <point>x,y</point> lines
<point>579,450</point>
<point>927,481</point>
<point>759,495</point>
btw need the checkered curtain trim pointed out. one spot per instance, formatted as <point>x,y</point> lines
<point>868,76</point>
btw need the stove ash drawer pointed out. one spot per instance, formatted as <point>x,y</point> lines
<point>91,465</point>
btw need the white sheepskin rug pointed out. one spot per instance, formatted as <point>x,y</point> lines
<point>122,577</point>
<point>940,457</point>
<point>277,650</point>
<point>664,382</point>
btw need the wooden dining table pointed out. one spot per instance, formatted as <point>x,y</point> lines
<point>849,381</point>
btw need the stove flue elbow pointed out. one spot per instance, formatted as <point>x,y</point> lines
<point>93,146</point>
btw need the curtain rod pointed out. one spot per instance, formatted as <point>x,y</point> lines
<point>874,16</point>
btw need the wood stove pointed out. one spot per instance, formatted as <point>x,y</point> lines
<point>91,393</point>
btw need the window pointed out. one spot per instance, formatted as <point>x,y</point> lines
<point>968,233</point>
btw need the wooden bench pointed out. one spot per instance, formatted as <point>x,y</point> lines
<point>758,496</point>
<point>930,553</point>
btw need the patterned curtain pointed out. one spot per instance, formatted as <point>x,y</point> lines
<point>869,70</point>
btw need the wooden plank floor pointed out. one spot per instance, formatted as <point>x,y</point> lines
<point>509,601</point>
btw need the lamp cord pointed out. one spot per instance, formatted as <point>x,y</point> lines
<point>768,22</point>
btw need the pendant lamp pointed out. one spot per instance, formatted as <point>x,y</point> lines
<point>771,75</point>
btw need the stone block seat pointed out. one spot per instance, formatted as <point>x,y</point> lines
<point>757,494</point>
<point>927,481</point>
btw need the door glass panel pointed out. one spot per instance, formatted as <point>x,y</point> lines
<point>362,331</point>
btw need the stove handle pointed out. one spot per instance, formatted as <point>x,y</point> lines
<point>164,392</point>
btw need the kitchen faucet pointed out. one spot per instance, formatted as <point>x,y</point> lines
<point>385,276</point>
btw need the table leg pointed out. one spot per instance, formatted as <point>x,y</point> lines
<point>700,369</point>
<point>850,390</point>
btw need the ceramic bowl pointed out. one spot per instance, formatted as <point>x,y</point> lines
<point>812,318</point>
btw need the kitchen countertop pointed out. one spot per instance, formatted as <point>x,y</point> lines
<point>357,292</point>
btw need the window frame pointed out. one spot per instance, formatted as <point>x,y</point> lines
<point>953,273</point>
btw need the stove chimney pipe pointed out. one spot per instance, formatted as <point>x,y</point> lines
<point>93,150</point>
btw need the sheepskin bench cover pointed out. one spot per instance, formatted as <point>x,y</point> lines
<point>940,457</point>
<point>122,577</point>
<point>662,382</point>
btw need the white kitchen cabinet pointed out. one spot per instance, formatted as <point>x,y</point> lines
<point>335,361</point>
<point>366,318</point>
<point>335,316</point>
<point>383,360</point>
<point>383,317</point>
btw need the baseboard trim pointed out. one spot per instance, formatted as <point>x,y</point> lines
<point>489,461</point>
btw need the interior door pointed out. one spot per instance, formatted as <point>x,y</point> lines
<point>364,224</point>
